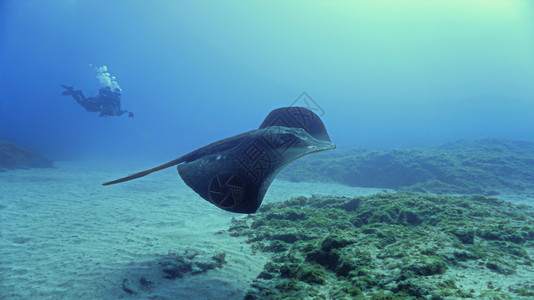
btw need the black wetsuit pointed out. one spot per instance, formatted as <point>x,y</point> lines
<point>112,104</point>
<point>107,102</point>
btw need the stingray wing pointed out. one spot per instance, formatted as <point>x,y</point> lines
<point>237,178</point>
<point>204,151</point>
<point>297,117</point>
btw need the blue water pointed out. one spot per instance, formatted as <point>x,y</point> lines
<point>386,74</point>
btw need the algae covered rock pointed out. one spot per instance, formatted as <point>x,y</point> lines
<point>484,166</point>
<point>13,156</point>
<point>176,265</point>
<point>500,266</point>
<point>465,234</point>
<point>144,279</point>
<point>389,246</point>
<point>428,266</point>
<point>309,273</point>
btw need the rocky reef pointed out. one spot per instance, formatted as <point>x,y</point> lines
<point>13,156</point>
<point>392,246</point>
<point>467,167</point>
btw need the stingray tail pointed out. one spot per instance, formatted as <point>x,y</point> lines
<point>146,172</point>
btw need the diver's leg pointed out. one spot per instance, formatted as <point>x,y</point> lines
<point>79,93</point>
<point>76,94</point>
<point>69,90</point>
<point>79,97</point>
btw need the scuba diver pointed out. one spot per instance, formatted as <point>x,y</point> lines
<point>107,102</point>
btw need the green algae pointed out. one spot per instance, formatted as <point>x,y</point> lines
<point>387,246</point>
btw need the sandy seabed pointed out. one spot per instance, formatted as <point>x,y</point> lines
<point>65,236</point>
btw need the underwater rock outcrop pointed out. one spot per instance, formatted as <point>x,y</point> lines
<point>171,266</point>
<point>467,167</point>
<point>177,265</point>
<point>13,156</point>
<point>392,246</point>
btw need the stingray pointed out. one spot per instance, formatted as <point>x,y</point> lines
<point>235,173</point>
